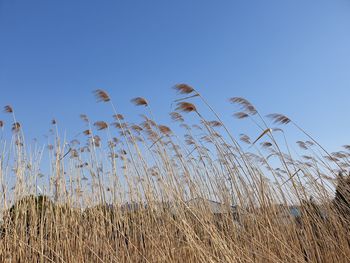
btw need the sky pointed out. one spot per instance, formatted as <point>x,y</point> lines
<point>291,57</point>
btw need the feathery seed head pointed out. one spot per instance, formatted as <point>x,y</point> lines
<point>302,145</point>
<point>8,109</point>
<point>16,127</point>
<point>101,125</point>
<point>164,129</point>
<point>214,123</point>
<point>346,147</point>
<point>101,95</point>
<point>175,116</point>
<point>87,132</point>
<point>186,107</point>
<point>245,104</point>
<point>136,128</point>
<point>266,144</point>
<point>139,101</point>
<point>118,116</point>
<point>245,138</point>
<point>84,117</point>
<point>279,118</point>
<point>183,88</point>
<point>241,115</point>
<point>96,140</point>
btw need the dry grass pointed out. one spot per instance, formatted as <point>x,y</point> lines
<point>139,192</point>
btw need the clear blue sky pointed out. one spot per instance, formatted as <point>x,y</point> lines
<point>291,57</point>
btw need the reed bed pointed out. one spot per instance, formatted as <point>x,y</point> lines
<point>188,191</point>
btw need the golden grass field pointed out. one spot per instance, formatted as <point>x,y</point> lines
<point>127,192</point>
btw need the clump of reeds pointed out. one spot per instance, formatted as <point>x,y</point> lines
<point>177,192</point>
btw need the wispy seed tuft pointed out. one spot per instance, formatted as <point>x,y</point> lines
<point>241,115</point>
<point>118,116</point>
<point>96,140</point>
<point>214,123</point>
<point>139,101</point>
<point>183,88</point>
<point>175,116</point>
<point>245,138</point>
<point>101,125</point>
<point>101,95</point>
<point>8,109</point>
<point>279,118</point>
<point>87,132</point>
<point>186,107</point>
<point>245,104</point>
<point>16,127</point>
<point>84,117</point>
<point>347,147</point>
<point>164,129</point>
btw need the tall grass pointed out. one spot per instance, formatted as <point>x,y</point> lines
<point>127,192</point>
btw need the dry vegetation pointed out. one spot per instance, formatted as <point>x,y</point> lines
<point>137,192</point>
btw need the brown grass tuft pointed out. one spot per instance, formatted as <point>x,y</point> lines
<point>183,88</point>
<point>96,140</point>
<point>84,117</point>
<point>101,95</point>
<point>8,109</point>
<point>139,101</point>
<point>164,129</point>
<point>118,116</point>
<point>241,115</point>
<point>347,147</point>
<point>302,145</point>
<point>245,138</point>
<point>16,127</point>
<point>101,125</point>
<point>279,118</point>
<point>87,132</point>
<point>175,116</point>
<point>186,107</point>
<point>245,104</point>
<point>214,123</point>
<point>136,128</point>
<point>266,144</point>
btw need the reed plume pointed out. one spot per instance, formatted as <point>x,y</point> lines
<point>87,132</point>
<point>164,129</point>
<point>241,115</point>
<point>183,88</point>
<point>279,118</point>
<point>84,117</point>
<point>175,116</point>
<point>245,105</point>
<point>118,116</point>
<point>16,127</point>
<point>186,107</point>
<point>101,95</point>
<point>139,101</point>
<point>8,109</point>
<point>101,125</point>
